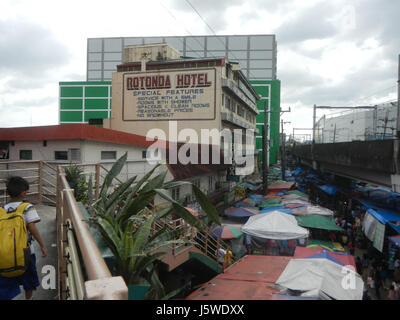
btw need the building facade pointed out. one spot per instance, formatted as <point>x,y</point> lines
<point>257,54</point>
<point>86,144</point>
<point>376,123</point>
<point>270,92</point>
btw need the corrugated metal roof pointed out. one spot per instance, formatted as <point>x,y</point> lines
<point>251,278</point>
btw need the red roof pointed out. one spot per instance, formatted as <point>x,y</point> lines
<point>93,133</point>
<point>72,132</point>
<point>251,278</point>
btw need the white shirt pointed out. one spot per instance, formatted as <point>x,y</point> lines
<point>221,255</point>
<point>30,216</point>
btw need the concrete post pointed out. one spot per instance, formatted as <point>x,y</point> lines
<point>398,101</point>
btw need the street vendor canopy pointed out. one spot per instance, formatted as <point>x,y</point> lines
<point>345,258</point>
<point>329,189</point>
<point>274,225</point>
<point>240,212</point>
<point>322,278</point>
<point>318,222</point>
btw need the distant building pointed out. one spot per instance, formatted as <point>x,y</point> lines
<point>256,54</point>
<point>360,125</point>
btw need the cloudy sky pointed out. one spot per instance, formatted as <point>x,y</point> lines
<point>338,53</point>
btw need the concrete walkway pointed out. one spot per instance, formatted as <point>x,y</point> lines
<point>46,267</point>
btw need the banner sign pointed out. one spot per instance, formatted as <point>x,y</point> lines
<point>169,95</point>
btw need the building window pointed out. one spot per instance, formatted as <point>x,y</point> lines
<point>60,155</point>
<point>175,193</point>
<point>75,154</point>
<point>108,155</point>
<point>223,99</point>
<point>144,154</point>
<point>44,143</point>
<point>227,102</point>
<point>233,106</point>
<point>25,155</point>
<point>210,183</point>
<point>240,111</point>
<point>196,183</point>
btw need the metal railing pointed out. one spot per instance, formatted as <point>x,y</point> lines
<point>71,226</point>
<point>94,281</point>
<point>202,240</point>
<point>40,175</point>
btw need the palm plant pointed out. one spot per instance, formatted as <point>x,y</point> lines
<point>124,217</point>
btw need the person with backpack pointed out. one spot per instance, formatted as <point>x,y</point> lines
<point>17,231</point>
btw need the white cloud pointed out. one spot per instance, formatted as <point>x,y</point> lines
<point>329,52</point>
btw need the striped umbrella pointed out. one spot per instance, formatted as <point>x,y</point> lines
<point>192,211</point>
<point>226,233</point>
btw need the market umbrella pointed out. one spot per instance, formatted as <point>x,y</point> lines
<point>226,233</point>
<point>332,246</point>
<point>270,203</point>
<point>244,204</point>
<point>325,255</point>
<point>250,201</point>
<point>256,197</point>
<point>319,247</point>
<point>192,211</point>
<point>318,222</point>
<point>240,212</point>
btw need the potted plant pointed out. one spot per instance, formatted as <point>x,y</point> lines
<point>77,181</point>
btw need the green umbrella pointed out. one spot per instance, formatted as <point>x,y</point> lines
<point>318,222</point>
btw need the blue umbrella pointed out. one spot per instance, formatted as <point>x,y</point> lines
<point>243,204</point>
<point>256,197</point>
<point>240,212</point>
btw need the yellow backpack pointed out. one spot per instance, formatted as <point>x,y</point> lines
<point>14,248</point>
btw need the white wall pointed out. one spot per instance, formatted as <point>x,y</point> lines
<point>41,152</point>
<point>91,154</point>
<point>359,125</point>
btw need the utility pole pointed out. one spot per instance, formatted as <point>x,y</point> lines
<point>283,151</point>
<point>334,134</point>
<point>398,103</point>
<point>265,151</point>
<point>314,121</point>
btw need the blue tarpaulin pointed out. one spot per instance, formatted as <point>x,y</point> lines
<point>256,197</point>
<point>280,208</point>
<point>329,189</point>
<point>243,204</point>
<point>384,216</point>
<point>240,212</point>
<point>297,172</point>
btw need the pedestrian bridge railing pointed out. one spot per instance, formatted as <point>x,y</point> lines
<point>41,175</point>
<point>82,271</point>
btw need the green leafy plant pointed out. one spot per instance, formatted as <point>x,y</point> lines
<point>77,181</point>
<point>124,217</point>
